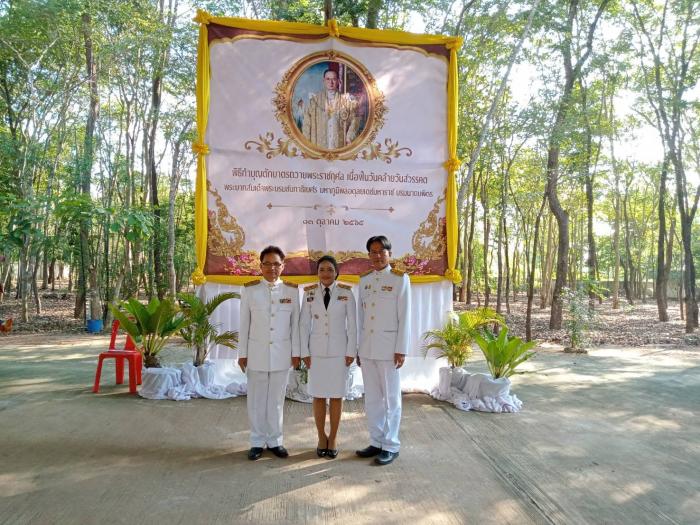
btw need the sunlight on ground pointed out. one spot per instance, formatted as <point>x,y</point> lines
<point>16,483</point>
<point>649,422</point>
<point>631,491</point>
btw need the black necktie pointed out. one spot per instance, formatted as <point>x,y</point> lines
<point>326,297</point>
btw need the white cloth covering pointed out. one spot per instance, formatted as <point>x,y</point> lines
<point>185,382</point>
<point>478,392</point>
<point>430,303</point>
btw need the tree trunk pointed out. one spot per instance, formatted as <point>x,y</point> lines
<point>86,167</point>
<point>470,244</point>
<point>572,73</point>
<point>627,266</point>
<point>531,275</point>
<point>548,258</point>
<point>487,231</point>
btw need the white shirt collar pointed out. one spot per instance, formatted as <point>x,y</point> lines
<point>323,287</point>
<point>384,270</point>
<point>273,285</point>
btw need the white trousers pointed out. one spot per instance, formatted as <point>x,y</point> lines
<point>382,403</point>
<point>266,391</point>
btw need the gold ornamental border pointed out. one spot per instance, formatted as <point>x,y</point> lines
<point>283,99</point>
<point>372,37</point>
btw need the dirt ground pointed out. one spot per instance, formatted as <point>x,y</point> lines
<point>636,325</point>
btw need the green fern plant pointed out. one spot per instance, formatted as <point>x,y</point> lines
<point>199,333</point>
<point>454,340</point>
<point>503,353</point>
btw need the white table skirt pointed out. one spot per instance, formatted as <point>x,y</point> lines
<point>430,303</point>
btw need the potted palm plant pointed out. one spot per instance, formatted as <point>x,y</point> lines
<point>503,355</point>
<point>150,326</point>
<point>454,342</point>
<point>199,333</point>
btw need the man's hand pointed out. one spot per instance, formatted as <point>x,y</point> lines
<point>243,363</point>
<point>398,360</point>
<point>307,361</point>
<point>348,360</point>
<point>296,361</point>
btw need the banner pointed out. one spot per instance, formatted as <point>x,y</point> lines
<point>316,138</point>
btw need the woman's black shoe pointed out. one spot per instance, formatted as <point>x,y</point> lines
<point>331,453</point>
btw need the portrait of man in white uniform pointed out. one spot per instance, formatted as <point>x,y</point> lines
<point>330,117</point>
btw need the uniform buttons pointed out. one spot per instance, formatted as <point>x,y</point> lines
<point>372,304</point>
<point>372,317</point>
<point>272,315</point>
<point>371,331</point>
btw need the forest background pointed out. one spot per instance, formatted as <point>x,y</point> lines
<point>578,134</point>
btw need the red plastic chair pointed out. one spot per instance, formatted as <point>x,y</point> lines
<point>129,353</point>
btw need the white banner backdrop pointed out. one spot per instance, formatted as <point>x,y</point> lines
<point>316,145</point>
<point>315,139</point>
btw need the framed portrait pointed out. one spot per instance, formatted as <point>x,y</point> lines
<point>329,104</point>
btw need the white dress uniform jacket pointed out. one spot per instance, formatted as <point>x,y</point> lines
<point>328,332</point>
<point>269,330</point>
<point>384,314</point>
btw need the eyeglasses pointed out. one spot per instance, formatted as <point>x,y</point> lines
<point>272,265</point>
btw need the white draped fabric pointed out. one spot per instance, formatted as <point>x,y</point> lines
<point>430,303</point>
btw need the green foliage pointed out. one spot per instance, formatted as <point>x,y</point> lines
<point>149,326</point>
<point>199,333</point>
<point>453,341</point>
<point>503,353</point>
<point>579,318</point>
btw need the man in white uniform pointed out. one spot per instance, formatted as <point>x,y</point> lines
<point>268,346</point>
<point>384,317</point>
<point>330,119</point>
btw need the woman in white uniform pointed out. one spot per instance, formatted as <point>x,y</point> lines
<point>328,331</point>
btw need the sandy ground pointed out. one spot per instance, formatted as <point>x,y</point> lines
<point>609,437</point>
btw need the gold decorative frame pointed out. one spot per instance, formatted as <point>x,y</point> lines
<point>283,107</point>
<point>371,37</point>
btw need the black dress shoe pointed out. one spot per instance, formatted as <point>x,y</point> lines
<point>368,452</point>
<point>280,451</point>
<point>255,453</point>
<point>331,453</point>
<point>321,452</point>
<point>386,457</point>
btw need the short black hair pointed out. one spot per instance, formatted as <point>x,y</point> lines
<point>331,260</point>
<point>380,239</point>
<point>271,249</point>
<point>329,70</point>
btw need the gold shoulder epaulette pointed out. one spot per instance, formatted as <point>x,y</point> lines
<point>293,285</point>
<point>252,283</point>
<point>397,272</point>
<point>344,286</point>
<point>366,273</point>
<point>311,287</point>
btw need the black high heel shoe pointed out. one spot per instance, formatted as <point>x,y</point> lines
<point>331,453</point>
<point>321,452</point>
